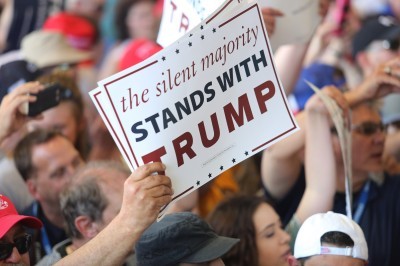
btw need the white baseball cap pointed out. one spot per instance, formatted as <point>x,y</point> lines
<point>308,240</point>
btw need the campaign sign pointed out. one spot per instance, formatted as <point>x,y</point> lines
<point>178,18</point>
<point>201,105</point>
<point>104,107</point>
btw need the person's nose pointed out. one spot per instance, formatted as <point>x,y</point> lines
<point>15,257</point>
<point>285,237</point>
<point>379,137</point>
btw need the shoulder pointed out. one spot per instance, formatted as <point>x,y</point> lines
<point>57,253</point>
<point>391,182</point>
<point>49,259</point>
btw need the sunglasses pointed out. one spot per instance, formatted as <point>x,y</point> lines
<point>369,128</point>
<point>22,244</point>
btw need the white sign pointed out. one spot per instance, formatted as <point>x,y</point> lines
<point>298,24</point>
<point>180,16</point>
<point>201,105</point>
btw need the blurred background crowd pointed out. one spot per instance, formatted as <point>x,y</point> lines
<point>64,168</point>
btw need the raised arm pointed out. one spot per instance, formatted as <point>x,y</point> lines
<point>289,62</point>
<point>281,163</point>
<point>144,195</point>
<point>319,156</point>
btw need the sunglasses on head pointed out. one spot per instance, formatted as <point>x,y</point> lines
<point>22,244</point>
<point>369,128</point>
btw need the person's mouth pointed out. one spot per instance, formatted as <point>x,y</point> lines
<point>286,254</point>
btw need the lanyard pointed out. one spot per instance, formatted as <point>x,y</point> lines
<point>43,233</point>
<point>362,201</point>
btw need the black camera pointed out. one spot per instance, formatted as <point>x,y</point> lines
<point>47,98</point>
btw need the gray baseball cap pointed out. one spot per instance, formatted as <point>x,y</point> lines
<point>181,238</point>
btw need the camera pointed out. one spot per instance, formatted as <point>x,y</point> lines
<point>47,98</point>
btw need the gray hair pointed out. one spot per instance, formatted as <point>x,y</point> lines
<point>85,196</point>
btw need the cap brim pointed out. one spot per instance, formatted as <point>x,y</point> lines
<point>214,249</point>
<point>392,34</point>
<point>68,57</point>
<point>10,220</point>
<point>54,58</point>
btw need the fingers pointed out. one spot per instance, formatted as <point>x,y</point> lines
<point>159,191</point>
<point>269,16</point>
<point>26,88</point>
<point>147,170</point>
<point>144,184</point>
<point>21,95</point>
<point>316,106</point>
<point>17,101</point>
<point>271,12</point>
<point>390,68</point>
<point>156,180</point>
<point>323,7</point>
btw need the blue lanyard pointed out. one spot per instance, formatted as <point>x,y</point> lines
<point>362,201</point>
<point>43,233</point>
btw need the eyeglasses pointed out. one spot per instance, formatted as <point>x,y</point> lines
<point>369,128</point>
<point>22,244</point>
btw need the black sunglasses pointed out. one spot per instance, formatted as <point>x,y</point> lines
<point>22,244</point>
<point>369,128</point>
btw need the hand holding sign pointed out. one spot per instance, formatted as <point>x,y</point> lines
<point>201,100</point>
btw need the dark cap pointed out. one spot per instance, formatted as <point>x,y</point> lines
<point>16,73</point>
<point>378,28</point>
<point>181,238</point>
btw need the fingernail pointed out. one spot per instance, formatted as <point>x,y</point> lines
<point>164,166</point>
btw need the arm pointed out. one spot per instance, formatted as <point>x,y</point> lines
<point>281,163</point>
<point>144,195</point>
<point>288,58</point>
<point>319,157</point>
<point>289,62</point>
<point>5,22</point>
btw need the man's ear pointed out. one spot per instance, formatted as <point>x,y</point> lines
<point>33,188</point>
<point>86,226</point>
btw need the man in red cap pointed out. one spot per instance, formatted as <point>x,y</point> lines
<point>14,242</point>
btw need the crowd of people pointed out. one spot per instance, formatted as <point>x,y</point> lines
<point>68,198</point>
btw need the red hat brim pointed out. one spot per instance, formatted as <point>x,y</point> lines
<point>8,221</point>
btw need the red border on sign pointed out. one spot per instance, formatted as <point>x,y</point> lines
<point>110,125</point>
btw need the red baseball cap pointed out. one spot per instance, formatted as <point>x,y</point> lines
<point>80,32</point>
<point>9,217</point>
<point>137,51</point>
